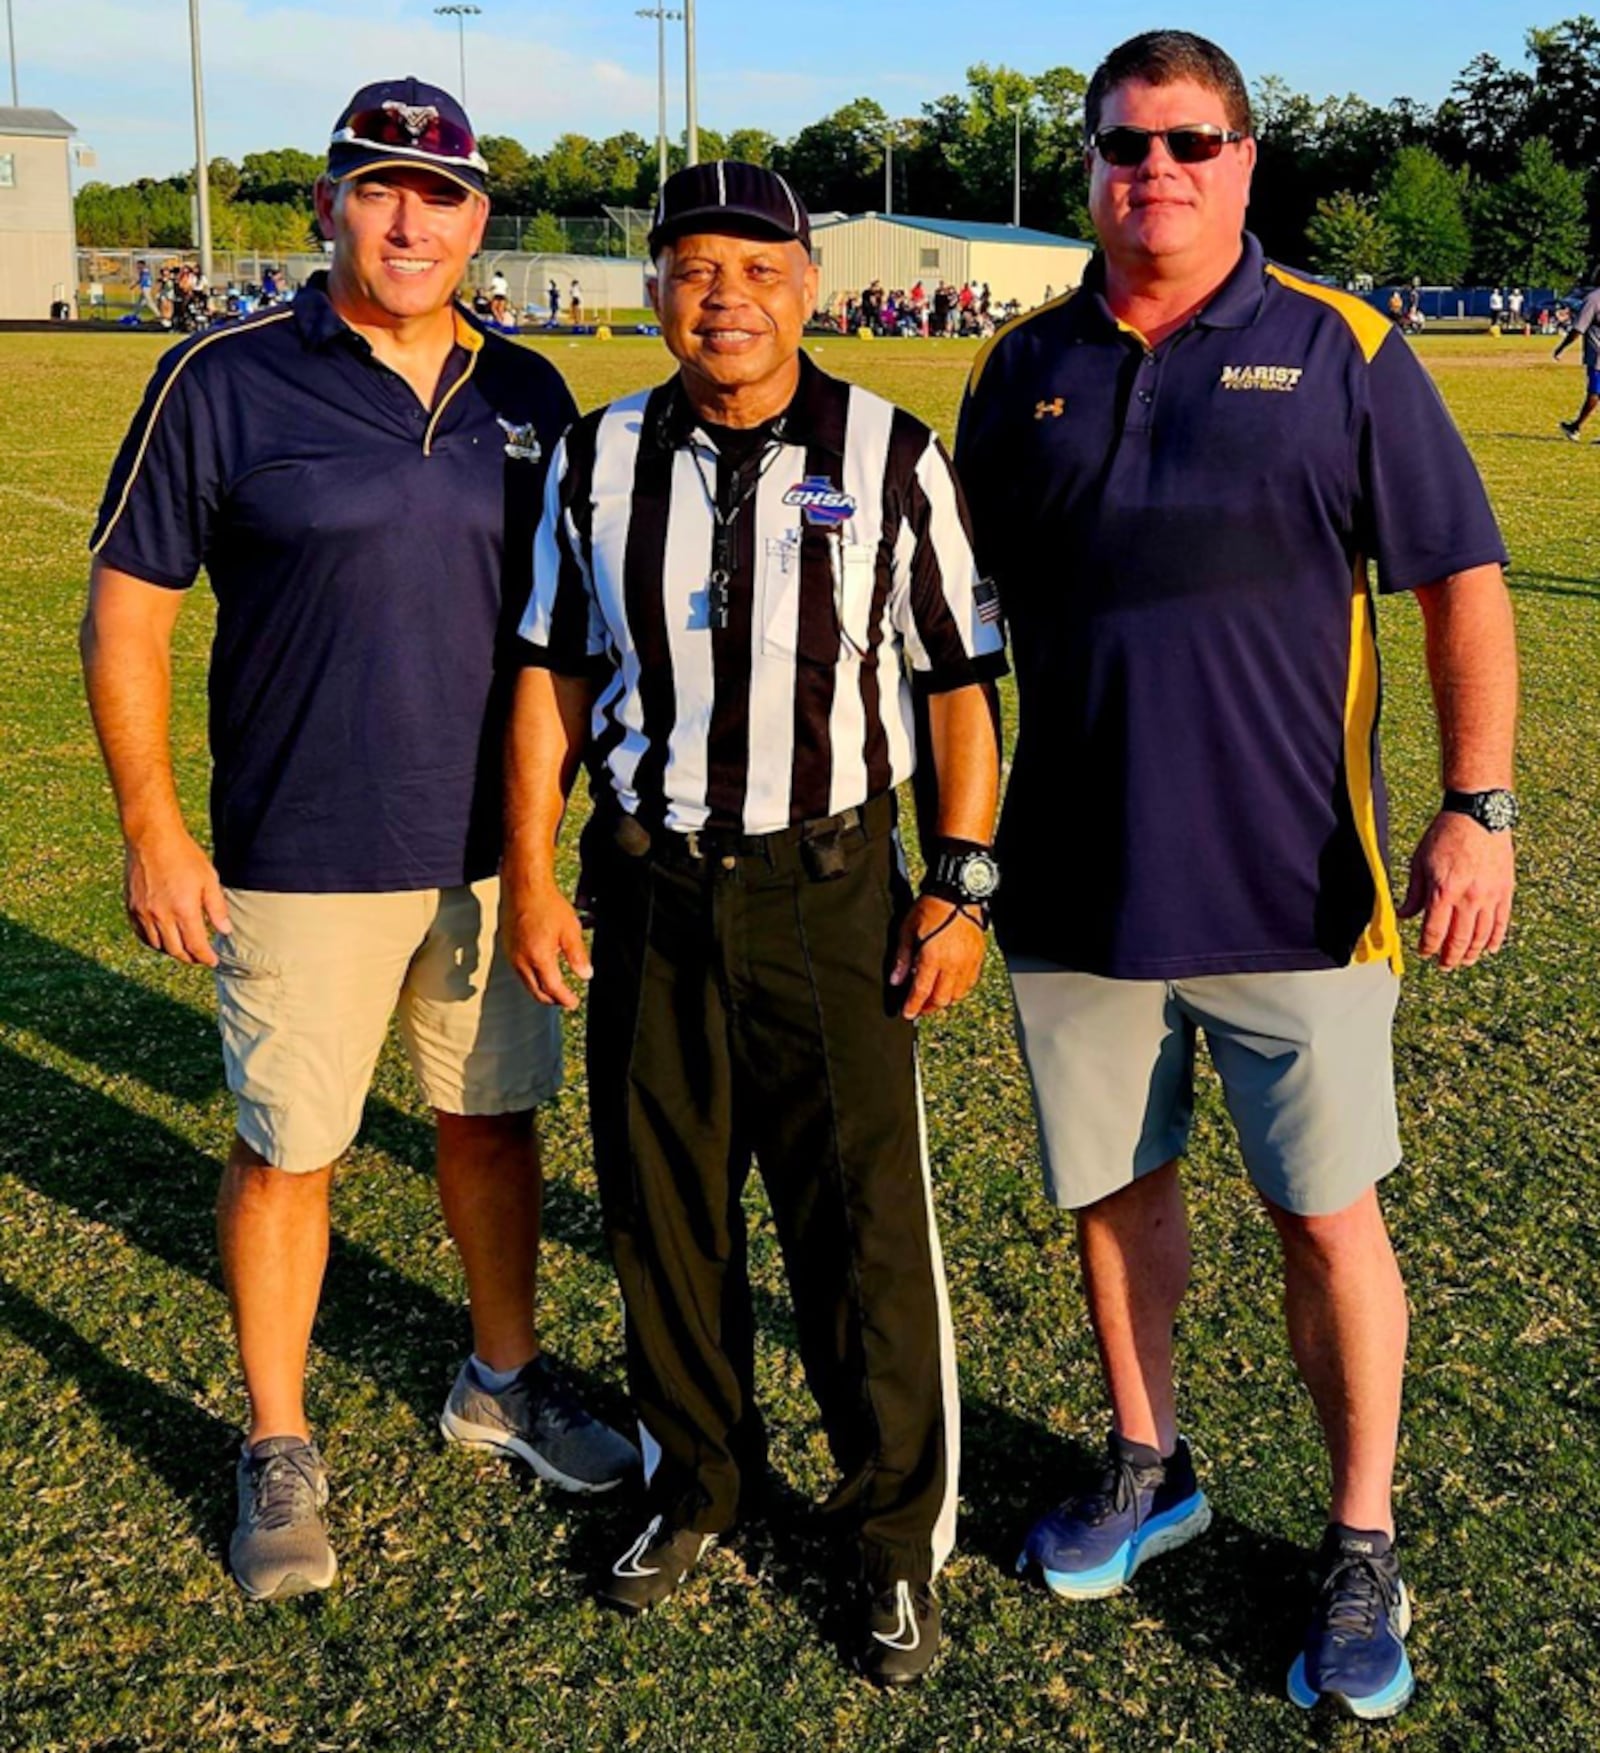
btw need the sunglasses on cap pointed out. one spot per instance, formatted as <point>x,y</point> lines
<point>407,127</point>
<point>1194,143</point>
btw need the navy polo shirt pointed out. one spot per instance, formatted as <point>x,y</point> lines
<point>1182,537</point>
<point>368,556</point>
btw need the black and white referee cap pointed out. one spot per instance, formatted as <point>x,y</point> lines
<point>726,196</point>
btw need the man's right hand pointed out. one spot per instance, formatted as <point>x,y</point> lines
<point>540,929</point>
<point>171,889</point>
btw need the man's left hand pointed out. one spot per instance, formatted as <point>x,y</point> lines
<point>940,953</point>
<point>1462,877</point>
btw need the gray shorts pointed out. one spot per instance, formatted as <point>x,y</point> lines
<point>1304,1059</point>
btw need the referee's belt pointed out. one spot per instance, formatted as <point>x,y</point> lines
<point>820,843</point>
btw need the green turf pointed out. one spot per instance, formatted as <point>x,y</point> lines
<point>460,1621</point>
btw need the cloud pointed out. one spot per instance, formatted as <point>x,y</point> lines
<point>276,76</point>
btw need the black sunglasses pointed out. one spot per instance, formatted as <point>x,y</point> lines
<point>1194,143</point>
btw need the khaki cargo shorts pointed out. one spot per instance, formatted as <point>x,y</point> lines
<point>1305,1061</point>
<point>306,985</point>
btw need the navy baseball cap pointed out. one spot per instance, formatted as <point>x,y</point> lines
<point>404,122</point>
<point>727,195</point>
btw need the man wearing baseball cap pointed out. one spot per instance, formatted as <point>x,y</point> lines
<point>356,471</point>
<point>733,576</point>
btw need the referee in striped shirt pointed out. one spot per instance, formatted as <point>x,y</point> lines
<point>743,581</point>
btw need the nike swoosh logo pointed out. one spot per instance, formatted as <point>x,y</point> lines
<point>907,1626</point>
<point>628,1564</point>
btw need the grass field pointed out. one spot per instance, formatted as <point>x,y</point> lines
<point>461,1620</point>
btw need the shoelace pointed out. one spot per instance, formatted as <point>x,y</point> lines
<point>1357,1593</point>
<point>542,1390</point>
<point>285,1488</point>
<point>1118,1490</point>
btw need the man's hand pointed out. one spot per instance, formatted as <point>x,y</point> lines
<point>1462,877</point>
<point>540,928</point>
<point>171,889</point>
<point>941,953</point>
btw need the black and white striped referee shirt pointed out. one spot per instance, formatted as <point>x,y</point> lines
<point>851,562</point>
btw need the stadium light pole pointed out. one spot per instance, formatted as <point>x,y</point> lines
<point>460,14</point>
<point>202,164</point>
<point>888,170</point>
<point>660,14</point>
<point>1016,181</point>
<point>11,34</point>
<point>691,132</point>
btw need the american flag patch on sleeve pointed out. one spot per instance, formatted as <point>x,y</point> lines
<point>986,597</point>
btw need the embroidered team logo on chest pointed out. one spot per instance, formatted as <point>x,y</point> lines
<point>522,442</point>
<point>1055,408</point>
<point>1262,377</point>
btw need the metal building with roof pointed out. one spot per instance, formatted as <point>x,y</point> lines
<point>898,250</point>
<point>38,267</point>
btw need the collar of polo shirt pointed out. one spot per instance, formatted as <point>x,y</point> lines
<point>1234,305</point>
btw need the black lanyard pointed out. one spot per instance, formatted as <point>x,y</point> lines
<point>724,538</point>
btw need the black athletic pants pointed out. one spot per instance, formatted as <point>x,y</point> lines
<point>740,1006</point>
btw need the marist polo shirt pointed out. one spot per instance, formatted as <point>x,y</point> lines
<point>1183,536</point>
<point>360,547</point>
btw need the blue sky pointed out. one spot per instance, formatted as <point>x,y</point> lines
<point>277,71</point>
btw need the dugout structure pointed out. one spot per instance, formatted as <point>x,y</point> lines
<point>897,250</point>
<point>38,262</point>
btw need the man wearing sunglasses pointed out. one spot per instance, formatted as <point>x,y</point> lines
<point>359,472</point>
<point>1180,476</point>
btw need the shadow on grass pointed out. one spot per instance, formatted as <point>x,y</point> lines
<point>90,1154</point>
<point>183,1445</point>
<point>1553,584</point>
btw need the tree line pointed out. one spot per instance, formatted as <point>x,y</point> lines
<point>1492,184</point>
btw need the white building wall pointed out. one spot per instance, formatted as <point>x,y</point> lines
<point>858,251</point>
<point>37,263</point>
<point>1023,271</point>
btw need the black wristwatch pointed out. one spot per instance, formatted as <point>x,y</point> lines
<point>964,872</point>
<point>1495,810</point>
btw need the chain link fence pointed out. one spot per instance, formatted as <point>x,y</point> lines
<point>608,286</point>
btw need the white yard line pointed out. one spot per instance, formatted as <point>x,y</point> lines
<point>45,499</point>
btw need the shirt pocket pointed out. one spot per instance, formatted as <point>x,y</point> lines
<point>816,597</point>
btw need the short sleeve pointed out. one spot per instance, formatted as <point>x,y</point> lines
<point>562,628</point>
<point>948,617</point>
<point>166,488</point>
<point>1423,511</point>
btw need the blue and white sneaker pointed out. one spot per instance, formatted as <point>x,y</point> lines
<point>1090,1546</point>
<point>1355,1651</point>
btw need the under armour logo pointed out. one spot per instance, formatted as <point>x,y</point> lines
<point>1055,409</point>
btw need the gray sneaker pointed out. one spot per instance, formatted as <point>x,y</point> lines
<point>539,1419</point>
<point>280,1546</point>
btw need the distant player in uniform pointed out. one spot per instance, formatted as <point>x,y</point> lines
<point>1587,325</point>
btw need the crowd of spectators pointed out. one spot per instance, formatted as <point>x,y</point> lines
<point>966,310</point>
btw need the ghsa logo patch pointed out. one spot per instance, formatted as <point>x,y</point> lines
<point>820,501</point>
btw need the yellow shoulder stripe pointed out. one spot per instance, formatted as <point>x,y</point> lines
<point>1370,327</point>
<point>155,413</point>
<point>986,351</point>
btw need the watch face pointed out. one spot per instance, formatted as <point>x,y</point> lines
<point>1498,811</point>
<point>980,876</point>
